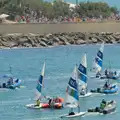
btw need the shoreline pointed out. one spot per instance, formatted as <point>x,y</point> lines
<point>14,48</point>
<point>16,41</point>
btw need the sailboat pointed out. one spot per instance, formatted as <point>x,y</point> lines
<point>82,75</point>
<point>72,96</point>
<point>38,95</point>
<point>38,89</point>
<point>98,61</point>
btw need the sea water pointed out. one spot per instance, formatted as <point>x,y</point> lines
<point>27,63</point>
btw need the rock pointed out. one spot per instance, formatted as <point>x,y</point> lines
<point>49,36</point>
<point>56,39</point>
<point>44,40</point>
<point>94,40</point>
<point>37,40</point>
<point>42,43</point>
<point>79,42</point>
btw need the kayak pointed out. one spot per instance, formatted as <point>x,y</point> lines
<point>73,116</point>
<point>112,90</point>
<point>110,107</point>
<point>45,105</point>
<point>86,95</point>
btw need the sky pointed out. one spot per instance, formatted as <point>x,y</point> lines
<point>115,3</point>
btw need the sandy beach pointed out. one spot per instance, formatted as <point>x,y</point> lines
<point>55,28</point>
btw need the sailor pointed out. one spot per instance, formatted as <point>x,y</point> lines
<point>10,81</point>
<point>103,104</point>
<point>107,85</point>
<point>37,102</point>
<point>16,80</point>
<point>50,100</point>
<point>98,74</point>
<point>71,112</point>
<point>115,73</point>
<point>82,91</point>
<point>106,72</point>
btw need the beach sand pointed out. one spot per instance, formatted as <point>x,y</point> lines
<point>55,28</point>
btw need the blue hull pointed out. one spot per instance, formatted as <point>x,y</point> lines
<point>111,91</point>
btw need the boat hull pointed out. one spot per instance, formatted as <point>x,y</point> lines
<point>111,107</point>
<point>113,90</point>
<point>86,95</point>
<point>45,105</point>
<point>73,116</point>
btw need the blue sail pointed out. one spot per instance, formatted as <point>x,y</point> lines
<point>82,70</point>
<point>40,83</point>
<point>98,63</point>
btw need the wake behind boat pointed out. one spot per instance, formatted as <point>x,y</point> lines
<point>72,97</point>
<point>82,76</point>
<point>52,102</point>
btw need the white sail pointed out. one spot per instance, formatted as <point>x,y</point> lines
<point>72,95</point>
<point>82,71</point>
<point>98,61</point>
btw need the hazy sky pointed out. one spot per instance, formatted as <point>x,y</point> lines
<point>110,2</point>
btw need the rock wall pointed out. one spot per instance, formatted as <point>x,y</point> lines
<point>47,40</point>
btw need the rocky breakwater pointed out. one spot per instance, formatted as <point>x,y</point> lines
<point>48,40</point>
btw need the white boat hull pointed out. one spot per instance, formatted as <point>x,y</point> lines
<point>86,95</point>
<point>73,116</point>
<point>32,106</point>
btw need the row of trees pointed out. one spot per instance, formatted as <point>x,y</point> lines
<point>57,8</point>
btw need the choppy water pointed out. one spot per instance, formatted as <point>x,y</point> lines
<point>60,61</point>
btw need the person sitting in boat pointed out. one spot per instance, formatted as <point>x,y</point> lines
<point>107,85</point>
<point>4,85</point>
<point>37,102</point>
<point>10,81</point>
<point>103,104</point>
<point>115,73</point>
<point>83,90</point>
<point>98,74</point>
<point>71,112</point>
<point>106,72</point>
<point>16,80</point>
<point>49,102</point>
<point>52,103</point>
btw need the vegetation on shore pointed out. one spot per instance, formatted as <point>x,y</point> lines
<point>57,9</point>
